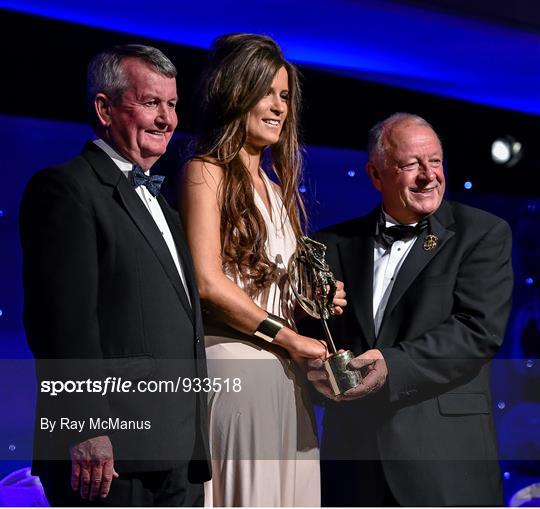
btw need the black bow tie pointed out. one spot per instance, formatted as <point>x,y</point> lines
<point>151,182</point>
<point>387,235</point>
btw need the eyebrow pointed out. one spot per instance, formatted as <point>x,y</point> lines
<point>150,97</point>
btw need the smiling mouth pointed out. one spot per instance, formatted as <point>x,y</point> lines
<point>427,190</point>
<point>271,122</point>
<point>155,133</point>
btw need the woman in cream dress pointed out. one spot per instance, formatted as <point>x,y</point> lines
<point>242,230</point>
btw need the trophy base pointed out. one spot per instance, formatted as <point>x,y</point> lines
<point>340,377</point>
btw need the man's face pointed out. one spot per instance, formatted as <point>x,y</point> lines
<point>140,124</point>
<point>411,176</point>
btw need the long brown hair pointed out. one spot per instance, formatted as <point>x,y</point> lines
<point>241,71</point>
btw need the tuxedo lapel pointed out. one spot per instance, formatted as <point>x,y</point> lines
<point>356,257</point>
<point>147,226</point>
<point>110,174</point>
<point>185,258</point>
<point>418,258</point>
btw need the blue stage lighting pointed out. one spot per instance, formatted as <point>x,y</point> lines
<point>501,405</point>
<point>1,213</point>
<point>351,173</point>
<point>506,476</point>
<point>302,188</point>
<point>529,281</point>
<point>467,185</point>
<point>329,38</point>
<point>531,207</point>
<point>529,363</point>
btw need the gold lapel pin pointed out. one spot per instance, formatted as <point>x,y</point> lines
<point>430,242</point>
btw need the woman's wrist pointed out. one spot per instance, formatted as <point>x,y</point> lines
<point>270,327</point>
<point>286,338</point>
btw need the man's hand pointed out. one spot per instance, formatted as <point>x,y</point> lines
<point>92,467</point>
<point>374,370</point>
<point>339,298</point>
<point>318,376</point>
<point>371,364</point>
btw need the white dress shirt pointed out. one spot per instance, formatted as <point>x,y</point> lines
<point>150,203</point>
<point>386,265</point>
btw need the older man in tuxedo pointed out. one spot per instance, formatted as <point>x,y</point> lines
<point>429,286</point>
<point>110,292</point>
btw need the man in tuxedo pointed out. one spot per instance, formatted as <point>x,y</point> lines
<point>429,287</point>
<point>110,294</point>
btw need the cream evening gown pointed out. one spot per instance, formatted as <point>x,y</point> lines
<point>262,438</point>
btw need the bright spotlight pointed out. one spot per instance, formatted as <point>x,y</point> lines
<point>506,151</point>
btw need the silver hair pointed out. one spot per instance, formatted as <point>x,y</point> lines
<point>105,72</point>
<point>377,136</point>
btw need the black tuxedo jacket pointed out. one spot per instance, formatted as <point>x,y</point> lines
<point>431,425</point>
<point>102,290</point>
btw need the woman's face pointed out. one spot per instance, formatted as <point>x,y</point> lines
<point>266,118</point>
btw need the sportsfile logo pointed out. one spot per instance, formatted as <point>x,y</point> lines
<point>118,385</point>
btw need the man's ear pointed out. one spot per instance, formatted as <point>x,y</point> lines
<point>374,175</point>
<point>102,105</point>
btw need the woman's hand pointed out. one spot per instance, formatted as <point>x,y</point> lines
<point>339,298</point>
<point>299,346</point>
